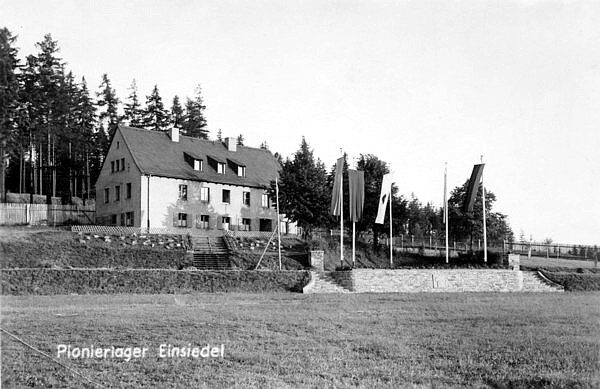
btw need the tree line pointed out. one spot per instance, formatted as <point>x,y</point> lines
<point>55,132</point>
<point>305,188</point>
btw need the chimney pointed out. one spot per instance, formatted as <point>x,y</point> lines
<point>231,144</point>
<point>175,134</point>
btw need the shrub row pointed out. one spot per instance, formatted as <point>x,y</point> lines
<point>151,281</point>
<point>24,254</point>
<point>575,281</point>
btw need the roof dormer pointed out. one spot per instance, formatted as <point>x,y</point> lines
<point>195,161</point>
<point>237,166</point>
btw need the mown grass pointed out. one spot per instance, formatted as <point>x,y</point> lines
<point>287,340</point>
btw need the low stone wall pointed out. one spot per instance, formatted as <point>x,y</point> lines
<point>430,280</point>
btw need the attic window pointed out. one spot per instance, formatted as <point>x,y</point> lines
<point>220,168</point>
<point>194,161</point>
<point>241,171</point>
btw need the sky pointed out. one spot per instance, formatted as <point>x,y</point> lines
<point>417,83</point>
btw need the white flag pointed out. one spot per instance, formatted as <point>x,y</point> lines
<point>386,191</point>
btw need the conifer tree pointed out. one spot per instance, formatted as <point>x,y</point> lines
<point>155,116</point>
<point>240,140</point>
<point>133,109</point>
<point>194,123</point>
<point>176,113</point>
<point>108,104</point>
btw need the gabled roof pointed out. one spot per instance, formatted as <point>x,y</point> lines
<point>154,153</point>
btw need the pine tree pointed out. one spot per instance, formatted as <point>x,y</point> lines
<point>108,116</point>
<point>240,140</point>
<point>155,116</point>
<point>194,123</point>
<point>176,113</point>
<point>304,195</point>
<point>9,94</point>
<point>133,109</point>
<point>220,135</point>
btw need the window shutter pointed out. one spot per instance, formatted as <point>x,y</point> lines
<point>190,220</point>
<point>175,219</point>
<point>219,223</point>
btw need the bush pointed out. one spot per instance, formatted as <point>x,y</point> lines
<point>98,281</point>
<point>574,281</point>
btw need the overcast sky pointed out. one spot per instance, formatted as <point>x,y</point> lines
<point>417,83</point>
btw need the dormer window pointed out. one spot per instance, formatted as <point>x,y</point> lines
<point>241,171</point>
<point>198,165</point>
<point>194,161</point>
<point>220,168</point>
<point>237,166</point>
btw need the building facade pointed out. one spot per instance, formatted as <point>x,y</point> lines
<point>161,179</point>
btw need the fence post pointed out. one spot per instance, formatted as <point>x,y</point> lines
<point>26,213</point>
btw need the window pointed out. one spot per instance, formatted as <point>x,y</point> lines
<point>225,220</point>
<point>182,220</point>
<point>246,198</point>
<point>246,223</point>
<point>129,219</point>
<point>128,190</point>
<point>182,192</point>
<point>205,194</point>
<point>265,200</point>
<point>117,193</point>
<point>123,219</point>
<point>198,164</point>
<point>117,166</point>
<point>202,222</point>
<point>112,166</point>
<point>241,171</point>
<point>122,163</point>
<point>106,195</point>
<point>113,220</point>
<point>220,168</point>
<point>118,144</point>
<point>226,196</point>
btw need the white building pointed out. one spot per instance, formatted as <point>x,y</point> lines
<point>162,179</point>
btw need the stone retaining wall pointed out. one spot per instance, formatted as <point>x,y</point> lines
<point>430,280</point>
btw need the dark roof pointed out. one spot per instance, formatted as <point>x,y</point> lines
<point>193,155</point>
<point>154,153</point>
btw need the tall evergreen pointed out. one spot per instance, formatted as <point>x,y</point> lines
<point>108,116</point>
<point>194,123</point>
<point>9,94</point>
<point>155,116</point>
<point>133,108</point>
<point>176,113</point>
<point>240,140</point>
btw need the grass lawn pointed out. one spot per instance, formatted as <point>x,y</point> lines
<point>291,340</point>
<point>556,262</point>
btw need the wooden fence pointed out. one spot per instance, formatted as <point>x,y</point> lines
<point>46,214</point>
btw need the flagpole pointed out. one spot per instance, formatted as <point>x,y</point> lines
<point>342,218</point>
<point>353,243</point>
<point>391,239</point>
<point>278,222</point>
<point>484,221</point>
<point>446,206</point>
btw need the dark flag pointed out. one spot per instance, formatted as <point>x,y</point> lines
<point>472,188</point>
<point>356,179</point>
<point>336,201</point>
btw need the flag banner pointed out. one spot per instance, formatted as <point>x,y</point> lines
<point>386,190</point>
<point>356,180</point>
<point>472,188</point>
<point>445,199</point>
<point>336,203</point>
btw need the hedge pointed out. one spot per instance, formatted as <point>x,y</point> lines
<point>150,281</point>
<point>573,281</point>
<point>24,254</point>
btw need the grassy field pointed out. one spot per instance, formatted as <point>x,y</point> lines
<point>290,340</point>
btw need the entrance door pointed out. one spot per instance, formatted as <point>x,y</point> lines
<point>266,225</point>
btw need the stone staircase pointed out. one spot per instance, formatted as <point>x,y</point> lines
<point>534,281</point>
<point>323,282</point>
<point>210,253</point>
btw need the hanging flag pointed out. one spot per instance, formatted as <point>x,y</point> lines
<point>356,180</point>
<point>445,199</point>
<point>472,188</point>
<point>336,204</point>
<point>386,191</point>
